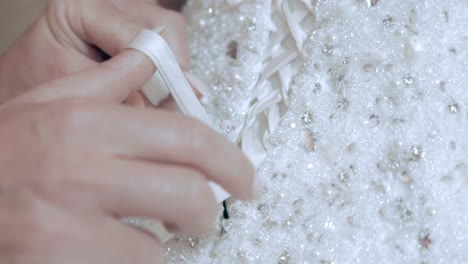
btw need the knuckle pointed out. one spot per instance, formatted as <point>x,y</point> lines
<point>63,119</point>
<point>177,19</point>
<point>65,116</point>
<point>200,197</point>
<point>29,221</point>
<point>198,136</point>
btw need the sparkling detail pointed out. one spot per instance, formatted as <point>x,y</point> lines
<point>378,173</point>
<point>343,104</point>
<point>454,107</point>
<point>212,11</point>
<point>263,211</point>
<point>416,152</point>
<point>284,258</point>
<point>374,121</point>
<point>345,61</point>
<point>327,49</point>
<point>407,80</point>
<point>389,21</point>
<point>371,3</point>
<point>307,118</point>
<point>343,177</point>
<point>251,24</point>
<point>193,242</point>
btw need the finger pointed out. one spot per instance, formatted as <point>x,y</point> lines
<point>136,100</point>
<point>122,244</point>
<point>106,240</point>
<point>158,136</point>
<point>173,194</point>
<point>39,230</point>
<point>168,137</point>
<point>174,28</point>
<point>125,19</point>
<point>113,80</point>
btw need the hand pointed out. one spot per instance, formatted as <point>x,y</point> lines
<point>74,161</point>
<point>72,36</point>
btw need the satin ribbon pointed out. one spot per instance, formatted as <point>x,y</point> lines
<point>170,78</point>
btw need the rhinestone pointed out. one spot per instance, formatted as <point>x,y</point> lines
<point>416,152</point>
<point>343,104</point>
<point>389,21</point>
<point>251,24</point>
<point>327,49</point>
<point>307,118</point>
<point>345,61</point>
<point>407,80</point>
<point>263,211</point>
<point>193,242</point>
<point>288,222</point>
<point>343,177</point>
<point>371,3</point>
<point>454,107</point>
<point>212,11</point>
<point>284,258</point>
<point>374,120</point>
<point>227,225</point>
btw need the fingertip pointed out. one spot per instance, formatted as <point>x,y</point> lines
<point>257,188</point>
<point>256,183</point>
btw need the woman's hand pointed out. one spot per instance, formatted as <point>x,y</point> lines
<point>74,161</point>
<point>72,36</point>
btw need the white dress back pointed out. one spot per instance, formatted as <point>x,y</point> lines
<point>355,113</point>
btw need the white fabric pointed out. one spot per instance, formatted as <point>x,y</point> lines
<point>360,137</point>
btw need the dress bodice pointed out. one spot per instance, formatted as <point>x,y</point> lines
<point>355,114</point>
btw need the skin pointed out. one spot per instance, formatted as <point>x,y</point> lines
<point>78,159</point>
<point>71,36</point>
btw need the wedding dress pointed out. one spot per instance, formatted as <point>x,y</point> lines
<point>355,114</point>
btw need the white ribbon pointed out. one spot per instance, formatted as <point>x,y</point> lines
<point>155,47</point>
<point>170,78</point>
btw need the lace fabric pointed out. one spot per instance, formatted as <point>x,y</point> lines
<point>354,112</point>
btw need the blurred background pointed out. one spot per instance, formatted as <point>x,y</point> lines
<point>15,17</point>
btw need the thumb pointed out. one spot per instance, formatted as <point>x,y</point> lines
<point>113,80</point>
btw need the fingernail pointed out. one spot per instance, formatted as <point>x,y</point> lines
<point>159,30</point>
<point>257,188</point>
